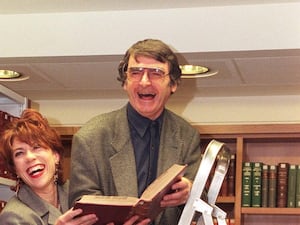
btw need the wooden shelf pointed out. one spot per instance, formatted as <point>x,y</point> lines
<point>270,211</point>
<point>226,199</point>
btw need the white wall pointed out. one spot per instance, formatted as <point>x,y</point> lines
<point>176,27</point>
<point>223,28</point>
<point>231,110</point>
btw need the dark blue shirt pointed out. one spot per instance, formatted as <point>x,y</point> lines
<point>146,149</point>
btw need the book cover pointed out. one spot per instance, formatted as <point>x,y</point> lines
<point>231,176</point>
<point>118,209</point>
<point>246,184</point>
<point>264,185</point>
<point>291,198</point>
<point>256,184</point>
<point>272,186</point>
<point>282,181</point>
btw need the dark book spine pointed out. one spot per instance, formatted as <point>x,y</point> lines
<point>282,181</point>
<point>264,185</point>
<point>231,176</point>
<point>298,187</point>
<point>272,186</point>
<point>246,184</point>
<point>256,185</point>
<point>291,198</point>
<point>224,187</point>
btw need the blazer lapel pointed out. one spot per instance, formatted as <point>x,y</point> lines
<point>123,161</point>
<point>170,144</point>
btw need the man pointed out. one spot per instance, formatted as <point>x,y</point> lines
<point>117,154</point>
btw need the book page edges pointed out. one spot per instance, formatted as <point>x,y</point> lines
<point>108,200</point>
<point>163,183</point>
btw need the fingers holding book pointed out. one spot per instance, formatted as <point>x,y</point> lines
<point>135,220</point>
<point>73,217</point>
<point>180,194</point>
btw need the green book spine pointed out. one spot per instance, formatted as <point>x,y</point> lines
<point>246,184</point>
<point>264,185</point>
<point>272,186</point>
<point>256,185</point>
<point>298,187</point>
<point>291,198</point>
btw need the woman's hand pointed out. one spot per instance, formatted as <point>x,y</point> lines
<point>72,217</point>
<point>180,195</point>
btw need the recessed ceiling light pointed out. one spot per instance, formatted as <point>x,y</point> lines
<point>193,71</point>
<point>10,75</point>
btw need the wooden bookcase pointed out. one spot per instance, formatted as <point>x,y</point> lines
<point>267,143</point>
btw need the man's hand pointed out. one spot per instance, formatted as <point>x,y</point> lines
<point>133,221</point>
<point>182,190</point>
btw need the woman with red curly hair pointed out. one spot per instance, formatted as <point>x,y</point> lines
<point>33,152</point>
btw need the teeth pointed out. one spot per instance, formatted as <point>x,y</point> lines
<point>146,95</point>
<point>35,169</point>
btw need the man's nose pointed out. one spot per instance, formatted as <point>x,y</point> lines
<point>145,78</point>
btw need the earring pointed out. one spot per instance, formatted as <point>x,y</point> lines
<point>18,185</point>
<point>56,174</point>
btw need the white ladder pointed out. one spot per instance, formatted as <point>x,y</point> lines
<point>216,159</point>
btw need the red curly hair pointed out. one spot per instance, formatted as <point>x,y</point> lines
<point>31,128</point>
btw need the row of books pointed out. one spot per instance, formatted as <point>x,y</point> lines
<point>228,185</point>
<point>266,185</point>
<point>6,177</point>
<point>5,119</point>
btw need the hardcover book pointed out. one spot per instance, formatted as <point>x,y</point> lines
<point>291,198</point>
<point>231,176</point>
<point>224,187</point>
<point>264,185</point>
<point>246,184</point>
<point>282,182</point>
<point>118,209</point>
<point>298,187</point>
<point>256,185</point>
<point>272,186</point>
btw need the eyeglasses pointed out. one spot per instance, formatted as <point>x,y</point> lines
<point>136,73</point>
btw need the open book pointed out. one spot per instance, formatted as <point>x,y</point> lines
<point>118,209</point>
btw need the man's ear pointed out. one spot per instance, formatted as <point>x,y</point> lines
<point>173,88</point>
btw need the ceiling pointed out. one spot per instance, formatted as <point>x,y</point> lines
<point>241,72</point>
<point>37,6</point>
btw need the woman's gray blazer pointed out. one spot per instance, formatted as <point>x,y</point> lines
<point>28,208</point>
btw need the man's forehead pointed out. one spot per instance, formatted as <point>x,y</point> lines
<point>141,59</point>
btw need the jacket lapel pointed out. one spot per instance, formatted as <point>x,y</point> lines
<point>123,161</point>
<point>170,144</point>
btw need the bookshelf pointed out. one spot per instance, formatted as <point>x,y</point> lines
<point>11,105</point>
<point>268,143</point>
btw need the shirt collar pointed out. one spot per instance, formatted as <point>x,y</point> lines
<point>139,122</point>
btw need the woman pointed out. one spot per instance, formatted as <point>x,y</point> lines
<point>33,153</point>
